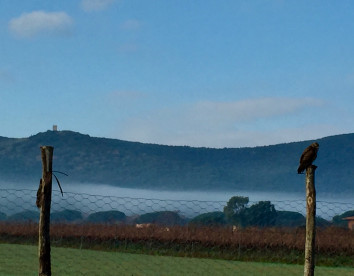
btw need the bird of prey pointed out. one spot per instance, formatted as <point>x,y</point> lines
<point>308,156</point>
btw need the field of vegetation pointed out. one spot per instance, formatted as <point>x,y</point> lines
<point>22,260</point>
<point>334,246</point>
<point>252,239</point>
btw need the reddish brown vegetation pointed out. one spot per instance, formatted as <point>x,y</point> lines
<point>329,240</point>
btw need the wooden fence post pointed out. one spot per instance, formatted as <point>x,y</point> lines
<point>309,267</point>
<point>44,198</point>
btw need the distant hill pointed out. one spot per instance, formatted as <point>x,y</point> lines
<point>137,165</point>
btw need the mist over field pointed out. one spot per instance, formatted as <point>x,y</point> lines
<point>88,197</point>
<point>138,177</point>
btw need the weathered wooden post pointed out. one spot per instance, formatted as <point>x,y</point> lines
<point>44,198</point>
<point>309,267</point>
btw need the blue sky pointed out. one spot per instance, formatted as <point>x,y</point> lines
<point>200,73</point>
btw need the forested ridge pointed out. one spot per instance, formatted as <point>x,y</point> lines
<point>151,166</point>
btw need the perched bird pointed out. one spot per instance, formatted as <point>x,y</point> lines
<point>308,156</point>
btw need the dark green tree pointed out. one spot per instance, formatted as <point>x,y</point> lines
<point>66,216</point>
<point>338,220</point>
<point>27,216</point>
<point>167,218</point>
<point>209,219</point>
<point>106,217</point>
<point>321,222</point>
<point>2,216</point>
<point>290,219</point>
<point>235,208</point>
<point>261,214</point>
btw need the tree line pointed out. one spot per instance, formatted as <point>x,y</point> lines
<point>236,212</point>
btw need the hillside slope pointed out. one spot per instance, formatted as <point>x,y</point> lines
<point>137,165</point>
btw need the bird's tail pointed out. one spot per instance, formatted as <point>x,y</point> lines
<point>300,170</point>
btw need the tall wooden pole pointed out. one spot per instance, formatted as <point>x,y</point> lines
<point>309,267</point>
<point>44,198</point>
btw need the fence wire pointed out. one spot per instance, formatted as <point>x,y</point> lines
<point>109,235</point>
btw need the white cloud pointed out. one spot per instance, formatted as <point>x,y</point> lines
<point>37,22</point>
<point>250,109</point>
<point>95,5</point>
<point>250,122</point>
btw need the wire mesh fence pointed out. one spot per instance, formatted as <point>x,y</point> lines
<point>109,235</point>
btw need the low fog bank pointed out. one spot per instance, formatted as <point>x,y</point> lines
<point>89,198</point>
<point>108,190</point>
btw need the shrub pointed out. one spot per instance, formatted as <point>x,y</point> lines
<point>2,216</point>
<point>106,217</point>
<point>289,219</point>
<point>167,218</point>
<point>209,219</point>
<point>338,220</point>
<point>25,216</point>
<point>66,216</point>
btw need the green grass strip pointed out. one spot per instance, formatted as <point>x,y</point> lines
<point>23,260</point>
